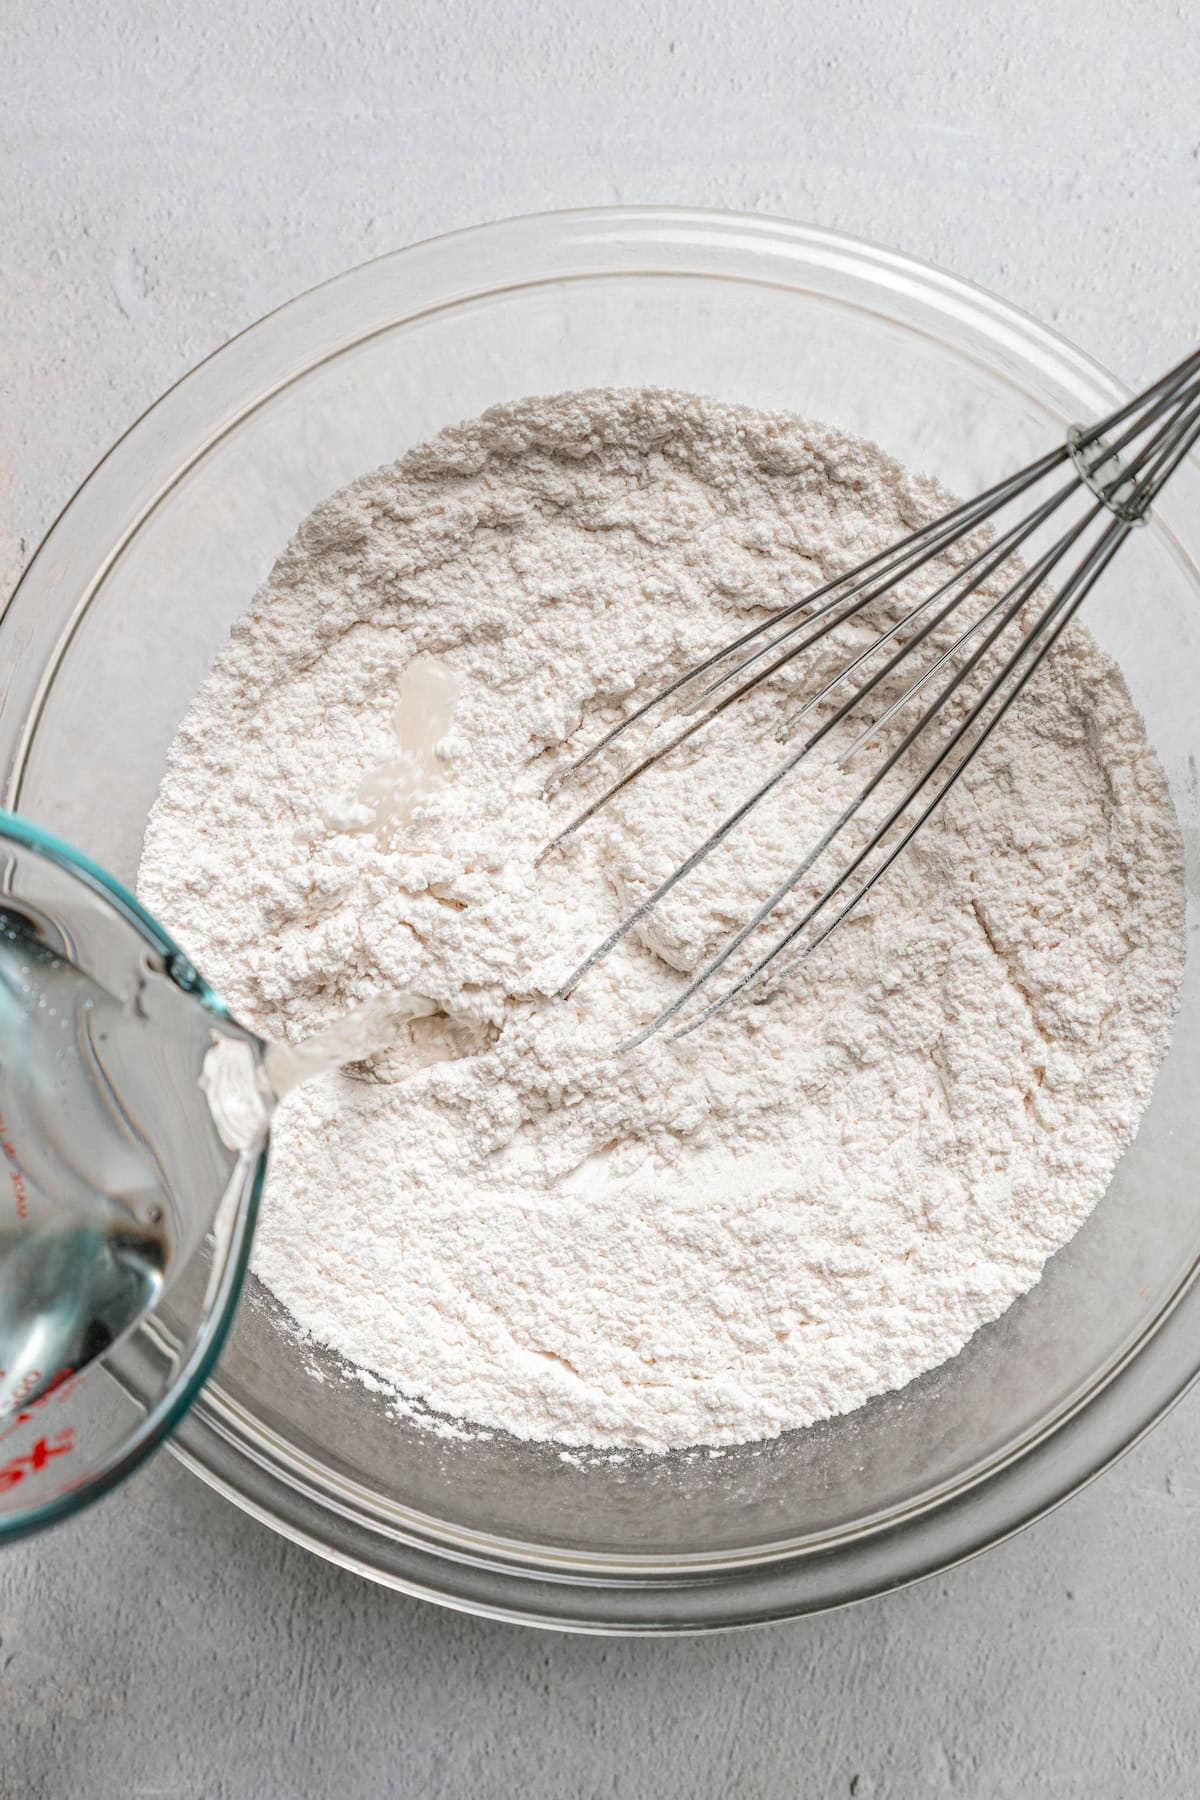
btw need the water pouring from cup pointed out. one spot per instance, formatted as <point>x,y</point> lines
<point>134,1123</point>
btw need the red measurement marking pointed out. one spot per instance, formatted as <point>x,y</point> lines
<point>26,1385</point>
<point>59,1387</point>
<point>35,1460</point>
<point>16,1179</point>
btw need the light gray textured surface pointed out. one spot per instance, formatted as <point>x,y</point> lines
<point>171,173</point>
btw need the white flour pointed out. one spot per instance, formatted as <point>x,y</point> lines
<point>807,1204</point>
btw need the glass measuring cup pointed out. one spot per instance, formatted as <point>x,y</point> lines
<point>133,1133</point>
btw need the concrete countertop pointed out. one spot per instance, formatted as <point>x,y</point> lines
<point>170,173</point>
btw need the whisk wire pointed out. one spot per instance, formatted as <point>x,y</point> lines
<point>896,572</point>
<point>1124,460</point>
<point>1170,456</point>
<point>976,508</point>
<point>857,603</point>
<point>1166,385</point>
<point>1102,555</point>
<point>1025,586</point>
<point>1020,594</point>
<point>985,564</point>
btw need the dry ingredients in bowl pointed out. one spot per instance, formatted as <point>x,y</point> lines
<point>707,1242</point>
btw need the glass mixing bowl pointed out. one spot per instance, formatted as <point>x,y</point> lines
<point>111,632</point>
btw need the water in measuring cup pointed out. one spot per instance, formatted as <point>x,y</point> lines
<point>94,1144</point>
<point>121,1122</point>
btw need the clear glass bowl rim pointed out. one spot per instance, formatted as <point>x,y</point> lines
<point>218,1439</point>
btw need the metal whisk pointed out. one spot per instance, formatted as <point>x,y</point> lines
<point>1115,477</point>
